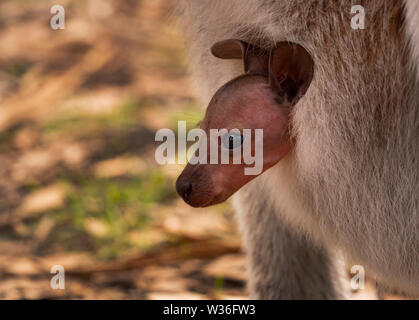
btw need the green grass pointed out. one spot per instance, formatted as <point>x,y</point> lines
<point>125,115</point>
<point>16,69</point>
<point>121,205</point>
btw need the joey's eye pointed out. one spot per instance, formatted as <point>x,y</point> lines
<point>232,140</point>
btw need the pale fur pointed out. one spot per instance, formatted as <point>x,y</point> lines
<point>412,13</point>
<point>351,183</point>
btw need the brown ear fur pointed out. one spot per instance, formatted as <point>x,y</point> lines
<point>288,65</point>
<point>229,49</point>
<point>290,70</point>
<point>255,59</point>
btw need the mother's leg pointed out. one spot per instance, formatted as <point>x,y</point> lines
<point>281,263</point>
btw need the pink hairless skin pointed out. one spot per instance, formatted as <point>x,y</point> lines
<point>261,98</point>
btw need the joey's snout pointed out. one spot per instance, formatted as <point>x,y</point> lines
<point>191,186</point>
<point>196,186</point>
<point>184,188</point>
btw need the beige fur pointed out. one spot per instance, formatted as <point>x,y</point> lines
<point>351,183</point>
<point>412,13</point>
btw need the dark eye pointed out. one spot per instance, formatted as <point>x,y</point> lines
<point>232,140</point>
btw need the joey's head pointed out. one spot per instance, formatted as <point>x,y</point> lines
<point>246,124</point>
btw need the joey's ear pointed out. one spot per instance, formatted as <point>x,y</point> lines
<point>290,71</point>
<point>255,59</point>
<point>229,49</point>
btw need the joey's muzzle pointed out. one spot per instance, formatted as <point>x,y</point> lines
<point>196,187</point>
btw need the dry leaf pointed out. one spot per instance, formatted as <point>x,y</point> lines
<point>96,227</point>
<point>231,267</point>
<point>174,296</point>
<point>45,199</point>
<point>118,167</point>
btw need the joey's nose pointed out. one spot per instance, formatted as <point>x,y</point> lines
<point>184,189</point>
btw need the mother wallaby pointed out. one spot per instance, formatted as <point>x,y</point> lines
<point>350,182</point>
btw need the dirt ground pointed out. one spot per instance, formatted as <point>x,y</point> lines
<point>79,186</point>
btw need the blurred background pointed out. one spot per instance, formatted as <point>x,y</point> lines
<point>79,186</point>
